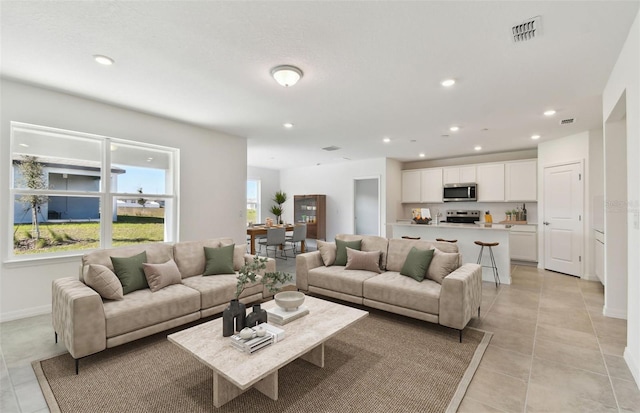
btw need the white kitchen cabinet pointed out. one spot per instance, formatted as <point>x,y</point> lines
<point>521,180</point>
<point>523,243</point>
<point>490,179</point>
<point>459,174</point>
<point>431,185</point>
<point>599,255</point>
<point>411,186</point>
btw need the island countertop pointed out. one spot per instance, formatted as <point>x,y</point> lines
<point>483,226</point>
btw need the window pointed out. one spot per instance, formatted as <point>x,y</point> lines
<point>253,201</point>
<point>74,191</point>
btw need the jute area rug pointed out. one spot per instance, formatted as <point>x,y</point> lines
<point>383,363</point>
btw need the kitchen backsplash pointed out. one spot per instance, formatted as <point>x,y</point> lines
<point>498,209</point>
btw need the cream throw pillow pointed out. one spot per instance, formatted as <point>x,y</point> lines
<point>442,264</point>
<point>104,281</point>
<point>328,252</point>
<point>363,260</point>
<point>162,275</point>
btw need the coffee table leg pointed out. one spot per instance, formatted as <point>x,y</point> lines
<point>315,356</point>
<point>224,391</point>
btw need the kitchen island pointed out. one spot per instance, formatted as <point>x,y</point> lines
<point>466,234</point>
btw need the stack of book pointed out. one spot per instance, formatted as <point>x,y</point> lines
<point>251,345</point>
<point>280,316</point>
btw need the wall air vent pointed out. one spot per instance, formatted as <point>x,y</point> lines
<point>527,30</point>
<point>568,121</point>
<point>330,148</point>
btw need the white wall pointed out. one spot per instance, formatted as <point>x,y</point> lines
<point>625,79</point>
<point>213,172</point>
<point>336,182</point>
<point>394,193</point>
<point>269,185</point>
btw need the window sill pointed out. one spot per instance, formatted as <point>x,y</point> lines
<point>32,261</point>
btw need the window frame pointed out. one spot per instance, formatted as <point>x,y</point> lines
<point>258,198</point>
<point>107,197</point>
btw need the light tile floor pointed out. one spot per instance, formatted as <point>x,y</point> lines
<point>552,351</point>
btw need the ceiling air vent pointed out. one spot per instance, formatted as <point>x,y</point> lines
<point>568,121</point>
<point>330,148</point>
<point>527,30</point>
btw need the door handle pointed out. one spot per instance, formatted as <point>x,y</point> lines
<point>546,223</point>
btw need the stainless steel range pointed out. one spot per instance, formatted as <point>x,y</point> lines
<point>462,216</point>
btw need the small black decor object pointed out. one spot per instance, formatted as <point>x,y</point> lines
<point>258,316</point>
<point>235,313</point>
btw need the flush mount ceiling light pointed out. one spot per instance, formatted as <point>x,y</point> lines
<point>288,125</point>
<point>286,75</point>
<point>103,60</point>
<point>422,155</point>
<point>448,82</point>
<point>478,148</point>
<point>550,112</point>
<point>454,128</point>
<point>534,137</point>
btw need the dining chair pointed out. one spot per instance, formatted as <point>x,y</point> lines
<point>276,237</point>
<point>299,235</point>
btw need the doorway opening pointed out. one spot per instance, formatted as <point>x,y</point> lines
<point>366,210</point>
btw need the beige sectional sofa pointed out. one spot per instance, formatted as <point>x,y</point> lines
<point>88,323</point>
<point>451,303</point>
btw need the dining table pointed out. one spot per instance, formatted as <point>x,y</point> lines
<point>255,230</point>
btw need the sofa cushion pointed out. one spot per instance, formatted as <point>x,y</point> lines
<point>336,278</point>
<point>144,308</point>
<point>189,255</point>
<point>363,260</point>
<point>416,264</point>
<point>442,264</point>
<point>370,243</point>
<point>219,260</point>
<point>399,249</point>
<point>341,250</point>
<point>238,255</point>
<point>162,275</point>
<point>327,252</point>
<point>393,288</point>
<point>130,272</point>
<point>219,289</point>
<point>156,253</point>
<point>104,282</point>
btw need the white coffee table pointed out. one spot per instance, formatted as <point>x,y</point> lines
<point>234,372</point>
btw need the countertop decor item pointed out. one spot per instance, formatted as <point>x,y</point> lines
<point>289,300</point>
<point>422,220</point>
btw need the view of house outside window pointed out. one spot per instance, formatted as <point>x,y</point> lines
<point>253,201</point>
<point>62,204</point>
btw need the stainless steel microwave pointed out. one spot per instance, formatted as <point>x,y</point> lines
<point>459,192</point>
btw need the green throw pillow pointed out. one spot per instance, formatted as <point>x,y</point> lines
<point>130,272</point>
<point>219,260</point>
<point>416,264</point>
<point>341,250</point>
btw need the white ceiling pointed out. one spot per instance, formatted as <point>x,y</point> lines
<point>371,69</point>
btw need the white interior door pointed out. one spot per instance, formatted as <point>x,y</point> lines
<point>563,212</point>
<point>367,206</point>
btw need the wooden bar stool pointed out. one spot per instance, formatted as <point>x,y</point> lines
<point>493,265</point>
<point>447,240</point>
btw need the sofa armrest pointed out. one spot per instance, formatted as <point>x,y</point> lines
<point>78,317</point>
<point>460,296</point>
<point>304,263</point>
<point>271,267</point>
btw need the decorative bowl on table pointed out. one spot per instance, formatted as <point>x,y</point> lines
<point>423,221</point>
<point>289,300</point>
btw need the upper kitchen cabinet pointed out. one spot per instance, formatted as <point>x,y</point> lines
<point>431,185</point>
<point>521,182</point>
<point>459,175</point>
<point>411,184</point>
<point>490,179</point>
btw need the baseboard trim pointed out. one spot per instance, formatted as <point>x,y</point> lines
<point>614,313</point>
<point>633,366</point>
<point>26,313</point>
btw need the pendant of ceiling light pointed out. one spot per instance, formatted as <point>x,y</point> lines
<point>286,75</point>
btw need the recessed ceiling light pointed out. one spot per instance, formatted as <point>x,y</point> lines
<point>478,148</point>
<point>149,159</point>
<point>422,155</point>
<point>448,82</point>
<point>288,125</point>
<point>386,140</point>
<point>24,145</point>
<point>103,60</point>
<point>534,137</point>
<point>454,128</point>
<point>286,75</point>
<point>549,112</point>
